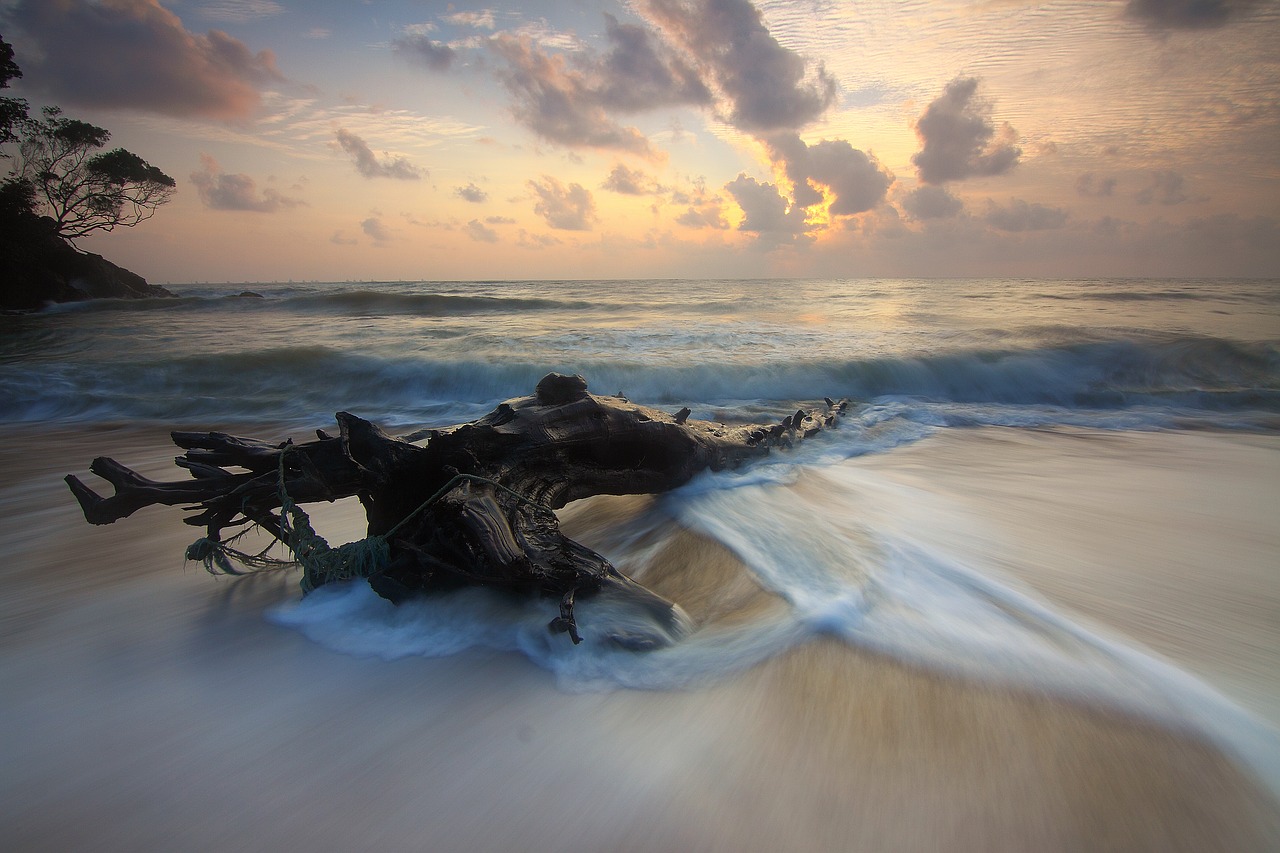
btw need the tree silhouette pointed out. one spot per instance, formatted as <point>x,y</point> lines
<point>81,190</point>
<point>13,111</point>
<point>61,172</point>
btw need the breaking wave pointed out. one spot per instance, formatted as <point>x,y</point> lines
<point>1191,375</point>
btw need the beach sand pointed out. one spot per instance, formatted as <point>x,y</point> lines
<point>148,707</point>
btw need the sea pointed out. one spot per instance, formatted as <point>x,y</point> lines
<point>1063,488</point>
<point>1125,354</point>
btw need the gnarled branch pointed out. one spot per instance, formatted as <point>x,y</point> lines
<point>475,504</point>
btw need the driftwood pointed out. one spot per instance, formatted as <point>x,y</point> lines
<point>474,505</point>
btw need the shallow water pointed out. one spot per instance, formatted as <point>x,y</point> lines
<point>153,707</point>
<point>1025,598</point>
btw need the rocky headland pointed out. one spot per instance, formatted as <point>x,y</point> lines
<point>38,267</point>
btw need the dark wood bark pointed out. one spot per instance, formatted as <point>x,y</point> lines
<point>475,503</point>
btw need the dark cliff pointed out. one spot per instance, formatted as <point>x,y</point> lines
<point>37,267</point>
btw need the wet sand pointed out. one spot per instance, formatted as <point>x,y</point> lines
<point>149,707</point>
<point>1169,539</point>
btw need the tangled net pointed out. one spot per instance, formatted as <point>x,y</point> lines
<point>320,562</point>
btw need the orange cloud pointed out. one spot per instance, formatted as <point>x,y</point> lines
<point>138,55</point>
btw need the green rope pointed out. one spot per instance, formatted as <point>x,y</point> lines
<point>321,564</point>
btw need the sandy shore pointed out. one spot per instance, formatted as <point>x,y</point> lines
<point>1169,539</point>
<point>152,708</point>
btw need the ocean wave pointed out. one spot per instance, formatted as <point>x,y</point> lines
<point>345,303</point>
<point>365,302</point>
<point>150,303</point>
<point>1185,374</point>
<point>1135,296</point>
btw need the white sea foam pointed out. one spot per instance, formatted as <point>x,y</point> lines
<point>850,571</point>
<point>350,618</point>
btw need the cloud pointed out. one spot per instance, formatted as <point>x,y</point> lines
<point>221,191</point>
<point>766,84</point>
<point>429,53</point>
<point>499,220</point>
<point>1090,185</point>
<point>765,209</point>
<point>707,216</point>
<point>701,209</point>
<point>1024,216</point>
<point>627,181</point>
<point>566,209</point>
<point>559,103</point>
<point>856,179</point>
<point>368,164</point>
<point>956,133</point>
<point>1166,188</point>
<point>1226,234</point>
<point>376,230</point>
<point>476,230</point>
<point>471,193</point>
<point>931,203</point>
<point>1186,14</point>
<point>482,20</point>
<point>526,240</point>
<point>239,11</point>
<point>640,73</point>
<point>572,103</point>
<point>135,54</point>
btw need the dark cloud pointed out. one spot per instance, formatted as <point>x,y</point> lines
<point>136,54</point>
<point>958,140</point>
<point>640,73</point>
<point>221,191</point>
<point>566,209</point>
<point>560,103</point>
<point>1095,186</point>
<point>368,164</point>
<point>376,230</point>
<point>340,238</point>
<point>1186,14</point>
<point>765,209</point>
<point>856,179</point>
<point>765,82</point>
<point>628,181</point>
<point>931,203</point>
<point>499,220</point>
<point>418,48</point>
<point>471,193</point>
<point>572,101</point>
<point>1166,187</point>
<point>1024,216</point>
<point>480,232</point>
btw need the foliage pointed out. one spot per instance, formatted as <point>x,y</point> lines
<point>13,111</point>
<point>60,171</point>
<point>16,200</point>
<point>8,68</point>
<point>82,190</point>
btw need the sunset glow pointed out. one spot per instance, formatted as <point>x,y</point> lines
<point>674,138</point>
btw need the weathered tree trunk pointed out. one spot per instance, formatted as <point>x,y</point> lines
<point>473,506</point>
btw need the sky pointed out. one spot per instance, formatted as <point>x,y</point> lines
<point>610,139</point>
